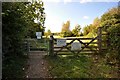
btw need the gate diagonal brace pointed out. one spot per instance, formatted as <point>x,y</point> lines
<point>65,46</point>
<point>86,45</point>
<point>69,49</point>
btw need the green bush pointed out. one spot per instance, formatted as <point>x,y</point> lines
<point>114,42</point>
<point>66,34</point>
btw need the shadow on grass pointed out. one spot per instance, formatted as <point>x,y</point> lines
<point>69,66</point>
<point>77,67</point>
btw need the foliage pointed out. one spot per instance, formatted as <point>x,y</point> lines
<point>48,33</point>
<point>65,32</point>
<point>110,21</point>
<point>14,28</point>
<point>76,31</point>
<point>66,26</point>
<point>114,40</point>
<point>87,29</point>
<point>35,17</point>
<point>96,23</point>
<point>14,67</point>
<point>17,22</point>
<point>92,28</point>
<point>81,34</point>
<point>13,32</point>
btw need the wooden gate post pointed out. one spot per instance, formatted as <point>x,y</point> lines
<point>100,39</point>
<point>51,46</point>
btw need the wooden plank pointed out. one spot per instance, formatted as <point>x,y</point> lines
<point>51,46</point>
<point>70,50</point>
<point>86,45</point>
<point>63,54</point>
<point>79,38</point>
<point>87,53</point>
<point>91,42</point>
<point>56,43</point>
<point>80,42</point>
<point>65,46</point>
<point>75,50</point>
<point>40,49</point>
<point>56,47</point>
<point>74,38</point>
<point>78,54</point>
<point>99,38</point>
<point>83,42</point>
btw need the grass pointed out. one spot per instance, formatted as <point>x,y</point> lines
<point>42,43</point>
<point>78,67</point>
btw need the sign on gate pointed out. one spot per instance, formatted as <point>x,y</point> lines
<point>76,46</point>
<point>61,42</point>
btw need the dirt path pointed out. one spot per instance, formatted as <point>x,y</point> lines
<point>38,67</point>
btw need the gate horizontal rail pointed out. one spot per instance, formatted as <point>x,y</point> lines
<point>89,45</point>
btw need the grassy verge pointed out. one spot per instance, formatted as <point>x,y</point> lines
<point>13,67</point>
<point>79,67</point>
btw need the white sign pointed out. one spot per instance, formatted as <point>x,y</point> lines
<point>38,37</point>
<point>61,42</point>
<point>38,34</point>
<point>76,46</point>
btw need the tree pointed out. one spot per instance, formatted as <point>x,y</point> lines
<point>17,21</point>
<point>76,30</point>
<point>66,26</point>
<point>48,33</point>
<point>65,32</point>
<point>35,13</point>
<point>96,23</point>
<point>110,21</point>
<point>87,29</point>
<point>14,27</point>
<point>110,18</point>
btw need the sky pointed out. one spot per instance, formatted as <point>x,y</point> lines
<point>81,12</point>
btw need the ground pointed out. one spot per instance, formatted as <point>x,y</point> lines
<point>40,66</point>
<point>37,65</point>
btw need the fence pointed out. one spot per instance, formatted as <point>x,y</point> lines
<point>88,45</point>
<point>36,45</point>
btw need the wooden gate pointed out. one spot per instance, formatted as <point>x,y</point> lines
<point>89,45</point>
<point>36,44</point>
